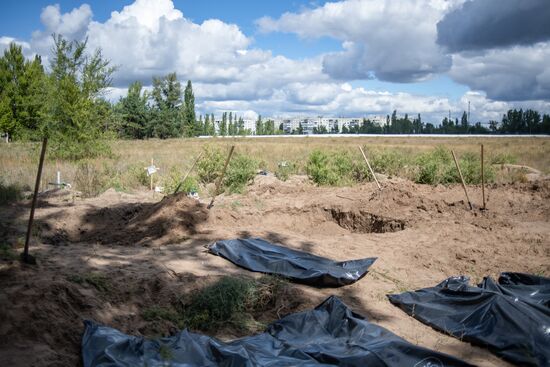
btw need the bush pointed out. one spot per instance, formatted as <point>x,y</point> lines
<point>89,179</point>
<point>240,171</point>
<point>388,162</point>
<point>285,169</point>
<point>175,183</point>
<point>438,167</point>
<point>503,158</point>
<point>336,168</point>
<point>9,193</point>
<point>230,301</point>
<point>210,165</point>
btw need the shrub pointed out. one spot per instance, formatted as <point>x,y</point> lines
<point>241,170</point>
<point>174,182</point>
<point>438,167</point>
<point>210,165</point>
<point>389,162</point>
<point>97,280</point>
<point>285,169</point>
<point>336,168</point>
<point>503,158</point>
<point>9,193</point>
<point>89,179</point>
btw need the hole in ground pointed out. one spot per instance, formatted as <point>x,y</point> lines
<point>363,222</point>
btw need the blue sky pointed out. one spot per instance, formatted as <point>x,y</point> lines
<point>287,57</point>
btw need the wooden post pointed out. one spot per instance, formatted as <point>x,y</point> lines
<point>370,168</point>
<point>188,172</point>
<point>482,179</point>
<point>462,179</point>
<point>25,255</point>
<point>218,184</point>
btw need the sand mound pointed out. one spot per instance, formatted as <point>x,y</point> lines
<point>173,219</point>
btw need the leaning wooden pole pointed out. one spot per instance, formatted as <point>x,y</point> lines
<point>188,173</point>
<point>462,179</point>
<point>482,179</point>
<point>25,255</point>
<point>370,168</point>
<point>218,184</point>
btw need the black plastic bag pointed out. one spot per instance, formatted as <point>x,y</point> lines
<point>331,334</point>
<point>509,317</point>
<point>262,256</point>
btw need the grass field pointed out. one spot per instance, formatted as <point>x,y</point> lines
<point>125,169</point>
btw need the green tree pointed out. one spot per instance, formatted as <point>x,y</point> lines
<point>223,125</point>
<point>22,85</point>
<point>190,124</point>
<point>75,109</point>
<point>133,113</point>
<point>166,119</point>
<point>259,126</point>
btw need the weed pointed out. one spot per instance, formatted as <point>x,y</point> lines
<point>9,193</point>
<point>210,165</point>
<point>165,352</point>
<point>7,253</point>
<point>503,158</point>
<point>285,169</point>
<point>335,168</point>
<point>231,300</point>
<point>98,281</point>
<point>90,179</point>
<point>161,313</point>
<point>174,182</point>
<point>241,170</point>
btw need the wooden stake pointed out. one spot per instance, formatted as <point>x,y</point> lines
<point>482,179</point>
<point>218,184</point>
<point>462,179</point>
<point>25,255</point>
<point>370,168</point>
<point>188,172</point>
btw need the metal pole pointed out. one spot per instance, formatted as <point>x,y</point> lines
<point>462,179</point>
<point>25,255</point>
<point>482,179</point>
<point>221,177</point>
<point>370,168</point>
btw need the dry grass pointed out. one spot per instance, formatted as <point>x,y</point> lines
<point>18,161</point>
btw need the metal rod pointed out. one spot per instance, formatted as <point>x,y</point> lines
<point>188,172</point>
<point>221,177</point>
<point>462,179</point>
<point>34,197</point>
<point>482,178</point>
<point>370,168</point>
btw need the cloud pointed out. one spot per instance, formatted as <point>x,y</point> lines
<point>72,25</point>
<point>484,24</point>
<point>511,74</point>
<point>391,40</point>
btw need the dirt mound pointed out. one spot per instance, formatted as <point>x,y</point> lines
<point>173,219</point>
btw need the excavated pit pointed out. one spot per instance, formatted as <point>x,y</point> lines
<point>364,222</point>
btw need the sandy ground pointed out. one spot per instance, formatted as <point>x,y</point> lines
<point>154,251</point>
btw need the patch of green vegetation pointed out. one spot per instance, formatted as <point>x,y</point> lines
<point>503,158</point>
<point>161,313</point>
<point>240,172</point>
<point>389,162</point>
<point>175,182</point>
<point>97,280</point>
<point>7,252</point>
<point>438,167</point>
<point>166,352</point>
<point>9,193</point>
<point>285,169</point>
<point>335,168</point>
<point>231,301</point>
<point>209,167</point>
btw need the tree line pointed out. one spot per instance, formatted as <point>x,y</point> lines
<point>67,103</point>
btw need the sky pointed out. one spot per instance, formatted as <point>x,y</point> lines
<point>281,58</point>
